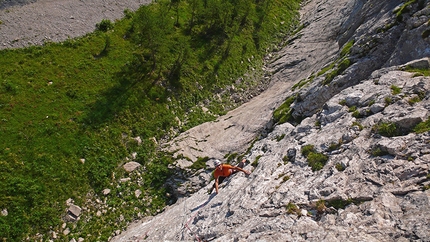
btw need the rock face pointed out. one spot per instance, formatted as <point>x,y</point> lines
<point>351,170</point>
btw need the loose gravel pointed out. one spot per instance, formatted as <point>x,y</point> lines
<point>28,22</point>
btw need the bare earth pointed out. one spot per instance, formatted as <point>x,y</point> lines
<point>57,20</point>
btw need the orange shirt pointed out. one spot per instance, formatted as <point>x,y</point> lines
<point>226,171</point>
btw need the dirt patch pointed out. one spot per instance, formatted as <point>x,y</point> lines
<point>29,22</point>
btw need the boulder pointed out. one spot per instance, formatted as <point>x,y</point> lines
<point>131,166</point>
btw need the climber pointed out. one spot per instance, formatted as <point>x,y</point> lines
<point>223,171</point>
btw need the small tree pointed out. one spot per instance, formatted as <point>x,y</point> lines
<point>104,25</point>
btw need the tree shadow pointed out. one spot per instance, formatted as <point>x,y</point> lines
<point>113,100</point>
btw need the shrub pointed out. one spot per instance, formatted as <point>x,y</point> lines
<point>317,161</point>
<point>128,14</point>
<point>387,129</point>
<point>307,149</point>
<point>377,151</point>
<point>342,102</point>
<point>339,167</point>
<point>340,203</point>
<point>104,25</point>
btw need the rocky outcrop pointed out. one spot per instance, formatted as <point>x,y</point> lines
<point>351,169</point>
<point>371,187</point>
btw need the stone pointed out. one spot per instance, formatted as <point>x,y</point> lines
<point>4,212</point>
<point>106,191</point>
<point>131,166</point>
<point>74,211</point>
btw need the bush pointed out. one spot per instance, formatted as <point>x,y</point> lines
<point>387,129</point>
<point>339,167</point>
<point>377,151</point>
<point>307,149</point>
<point>317,161</point>
<point>104,25</point>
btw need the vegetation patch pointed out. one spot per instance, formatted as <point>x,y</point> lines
<point>347,48</point>
<point>283,177</point>
<point>293,209</point>
<point>378,151</point>
<point>315,160</point>
<point>395,89</point>
<point>280,137</point>
<point>339,203</point>
<point>404,8</point>
<point>334,146</point>
<point>284,112</point>
<point>339,167</point>
<point>422,127</point>
<point>232,156</point>
<point>387,129</point>
<point>200,163</point>
<point>320,206</point>
<point>341,67</point>
<point>302,83</point>
<point>388,101</point>
<point>255,162</point>
<point>421,71</point>
<point>417,97</point>
<point>359,125</point>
